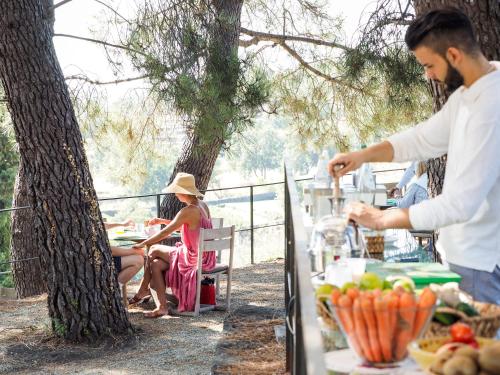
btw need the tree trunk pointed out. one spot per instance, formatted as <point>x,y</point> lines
<point>485,18</point>
<point>30,277</point>
<point>84,300</point>
<point>197,157</point>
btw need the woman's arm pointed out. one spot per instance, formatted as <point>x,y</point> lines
<point>159,220</point>
<point>182,217</point>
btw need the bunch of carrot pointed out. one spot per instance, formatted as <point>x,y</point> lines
<point>381,325</point>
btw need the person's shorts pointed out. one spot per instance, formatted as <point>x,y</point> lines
<point>483,286</point>
<point>118,264</point>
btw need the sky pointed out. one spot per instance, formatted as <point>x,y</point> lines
<point>81,18</point>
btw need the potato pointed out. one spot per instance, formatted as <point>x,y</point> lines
<point>460,365</point>
<point>439,361</point>
<point>489,358</point>
<point>467,351</point>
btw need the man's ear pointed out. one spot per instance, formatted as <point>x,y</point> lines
<point>454,56</point>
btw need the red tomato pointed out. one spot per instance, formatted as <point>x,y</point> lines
<point>461,332</point>
<point>473,343</point>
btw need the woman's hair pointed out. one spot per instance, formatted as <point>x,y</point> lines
<point>421,169</point>
<point>440,29</point>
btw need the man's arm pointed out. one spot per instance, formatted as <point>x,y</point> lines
<point>426,140</point>
<point>379,152</point>
<point>374,218</point>
<point>126,223</point>
<point>475,173</point>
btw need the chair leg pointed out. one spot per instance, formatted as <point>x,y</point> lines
<point>217,287</point>
<point>228,291</point>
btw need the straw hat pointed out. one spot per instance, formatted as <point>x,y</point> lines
<point>183,183</point>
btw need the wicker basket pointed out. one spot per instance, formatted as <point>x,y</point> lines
<point>484,325</point>
<point>375,243</point>
<point>327,317</point>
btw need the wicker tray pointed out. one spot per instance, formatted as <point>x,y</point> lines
<point>484,325</point>
<point>327,317</point>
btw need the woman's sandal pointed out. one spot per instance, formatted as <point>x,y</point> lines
<point>135,300</point>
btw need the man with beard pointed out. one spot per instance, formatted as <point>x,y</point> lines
<point>467,128</point>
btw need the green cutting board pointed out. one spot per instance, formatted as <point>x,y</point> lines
<point>421,273</point>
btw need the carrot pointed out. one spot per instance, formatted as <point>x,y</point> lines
<point>376,293</point>
<point>392,300</point>
<point>407,312</point>
<point>353,293</point>
<point>334,297</point>
<point>360,329</point>
<point>399,290</point>
<point>369,294</point>
<point>371,326</point>
<point>384,330</point>
<point>426,301</point>
<point>345,314</point>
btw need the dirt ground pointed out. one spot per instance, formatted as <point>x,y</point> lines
<point>168,345</point>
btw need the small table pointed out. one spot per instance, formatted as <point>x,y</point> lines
<point>138,237</point>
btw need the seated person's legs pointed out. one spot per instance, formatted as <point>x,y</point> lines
<point>131,264</point>
<point>159,257</point>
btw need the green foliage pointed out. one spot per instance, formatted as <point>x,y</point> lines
<point>185,52</point>
<point>58,328</point>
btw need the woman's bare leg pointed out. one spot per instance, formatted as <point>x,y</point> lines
<point>158,266</point>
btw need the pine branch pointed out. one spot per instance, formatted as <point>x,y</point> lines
<point>59,4</point>
<point>317,72</point>
<point>81,77</point>
<point>258,37</point>
<point>101,42</point>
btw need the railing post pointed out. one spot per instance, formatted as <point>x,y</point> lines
<point>251,225</point>
<point>158,204</point>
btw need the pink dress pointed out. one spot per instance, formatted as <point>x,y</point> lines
<point>181,275</point>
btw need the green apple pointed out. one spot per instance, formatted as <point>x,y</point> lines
<point>370,281</point>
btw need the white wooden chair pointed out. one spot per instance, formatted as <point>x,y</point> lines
<point>217,223</point>
<point>219,240</point>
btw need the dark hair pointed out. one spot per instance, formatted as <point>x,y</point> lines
<point>440,29</point>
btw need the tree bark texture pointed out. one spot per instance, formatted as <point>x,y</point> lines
<point>84,300</point>
<point>30,278</point>
<point>198,158</point>
<point>485,18</point>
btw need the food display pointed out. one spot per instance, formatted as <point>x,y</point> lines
<point>381,319</point>
<point>462,353</point>
<point>456,306</point>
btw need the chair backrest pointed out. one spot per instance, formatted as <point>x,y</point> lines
<point>217,239</point>
<point>217,222</point>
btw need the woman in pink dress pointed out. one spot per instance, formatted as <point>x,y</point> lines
<point>180,261</point>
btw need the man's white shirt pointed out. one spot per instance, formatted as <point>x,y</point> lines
<point>467,212</point>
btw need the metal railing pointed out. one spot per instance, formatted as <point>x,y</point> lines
<point>158,196</point>
<point>304,348</point>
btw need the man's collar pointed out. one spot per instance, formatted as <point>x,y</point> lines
<point>472,93</point>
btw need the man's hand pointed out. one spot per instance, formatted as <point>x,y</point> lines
<point>349,162</point>
<point>365,215</point>
<point>128,223</point>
